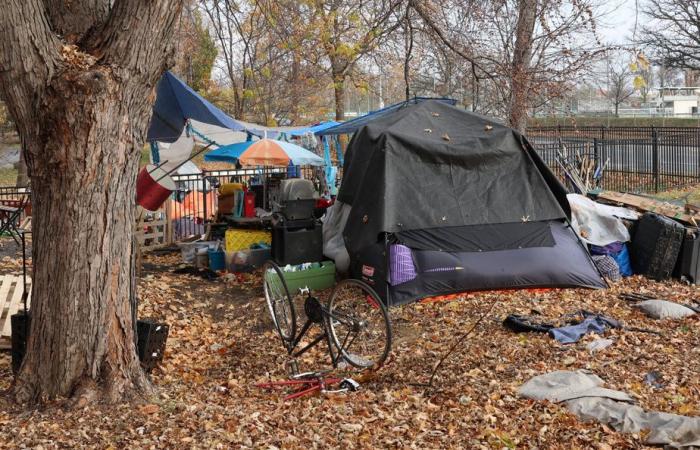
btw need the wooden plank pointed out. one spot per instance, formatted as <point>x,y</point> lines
<point>13,306</point>
<point>646,204</point>
<point>5,282</point>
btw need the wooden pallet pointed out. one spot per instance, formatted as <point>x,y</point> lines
<point>11,288</point>
<point>645,204</point>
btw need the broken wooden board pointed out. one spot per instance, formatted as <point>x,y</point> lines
<point>646,204</point>
<point>11,289</point>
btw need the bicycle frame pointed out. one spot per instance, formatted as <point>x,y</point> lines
<point>317,313</point>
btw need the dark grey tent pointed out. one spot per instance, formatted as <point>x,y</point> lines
<point>443,201</point>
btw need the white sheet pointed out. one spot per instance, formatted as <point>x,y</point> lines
<point>599,224</point>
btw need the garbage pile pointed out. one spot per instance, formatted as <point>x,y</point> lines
<point>643,237</point>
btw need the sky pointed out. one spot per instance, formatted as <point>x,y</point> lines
<point>618,23</point>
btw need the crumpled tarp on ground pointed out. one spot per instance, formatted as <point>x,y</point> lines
<point>583,395</point>
<point>599,224</point>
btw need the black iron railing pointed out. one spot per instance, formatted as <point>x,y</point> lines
<point>634,159</point>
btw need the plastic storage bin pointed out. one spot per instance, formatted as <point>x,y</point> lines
<point>241,239</point>
<point>248,260</point>
<point>217,260</point>
<point>315,278</point>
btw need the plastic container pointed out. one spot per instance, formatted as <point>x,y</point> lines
<point>250,259</point>
<point>217,259</point>
<point>153,187</point>
<point>201,260</point>
<point>249,207</point>
<point>230,188</point>
<point>315,278</point>
<point>241,239</point>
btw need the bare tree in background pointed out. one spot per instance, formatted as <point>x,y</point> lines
<point>269,76</point>
<point>79,80</point>
<point>618,86</point>
<point>520,51</point>
<point>673,32</point>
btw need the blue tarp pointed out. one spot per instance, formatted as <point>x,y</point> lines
<point>175,103</point>
<point>353,125</point>
<point>315,129</point>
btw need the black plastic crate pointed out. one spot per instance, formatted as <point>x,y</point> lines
<point>655,247</point>
<point>297,246</point>
<point>151,342</point>
<point>20,334</point>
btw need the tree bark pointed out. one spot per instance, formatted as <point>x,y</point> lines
<point>339,90</point>
<point>22,173</point>
<point>82,111</point>
<point>522,56</point>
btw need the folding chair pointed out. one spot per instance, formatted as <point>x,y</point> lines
<point>9,219</point>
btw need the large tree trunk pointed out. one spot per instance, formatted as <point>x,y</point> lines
<point>82,111</point>
<point>82,334</point>
<point>522,55</point>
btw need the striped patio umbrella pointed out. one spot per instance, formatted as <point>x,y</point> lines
<point>265,152</point>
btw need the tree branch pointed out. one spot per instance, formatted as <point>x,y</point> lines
<point>129,28</point>
<point>29,57</point>
<point>74,19</point>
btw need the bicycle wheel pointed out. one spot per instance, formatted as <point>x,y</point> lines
<point>359,324</point>
<point>279,301</point>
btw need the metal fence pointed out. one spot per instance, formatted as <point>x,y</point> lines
<point>196,201</point>
<point>635,159</point>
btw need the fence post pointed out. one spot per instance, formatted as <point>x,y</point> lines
<point>596,152</point>
<point>204,197</point>
<point>655,157</point>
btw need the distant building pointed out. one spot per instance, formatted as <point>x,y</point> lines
<point>679,101</point>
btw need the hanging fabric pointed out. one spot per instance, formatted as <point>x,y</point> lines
<point>155,153</point>
<point>338,150</point>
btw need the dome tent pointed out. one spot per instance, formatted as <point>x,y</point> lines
<point>443,200</point>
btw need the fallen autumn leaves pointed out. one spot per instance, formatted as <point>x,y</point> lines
<point>221,342</point>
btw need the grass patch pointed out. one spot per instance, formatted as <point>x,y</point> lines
<point>8,177</point>
<point>691,193</point>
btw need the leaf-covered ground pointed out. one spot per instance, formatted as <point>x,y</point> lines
<point>221,343</point>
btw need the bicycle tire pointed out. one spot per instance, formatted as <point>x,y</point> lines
<point>279,302</point>
<point>371,304</point>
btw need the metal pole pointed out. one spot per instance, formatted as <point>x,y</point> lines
<point>204,197</point>
<point>24,271</point>
<point>655,155</point>
<point>183,162</point>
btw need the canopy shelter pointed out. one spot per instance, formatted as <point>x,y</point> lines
<point>353,125</point>
<point>313,129</point>
<point>176,103</point>
<point>442,200</point>
<point>265,152</point>
<point>182,118</point>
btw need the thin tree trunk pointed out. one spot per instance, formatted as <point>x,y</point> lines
<point>522,55</point>
<point>339,90</point>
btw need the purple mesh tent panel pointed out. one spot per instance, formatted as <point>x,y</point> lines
<point>401,268</point>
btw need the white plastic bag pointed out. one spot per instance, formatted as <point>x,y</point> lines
<point>661,309</point>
